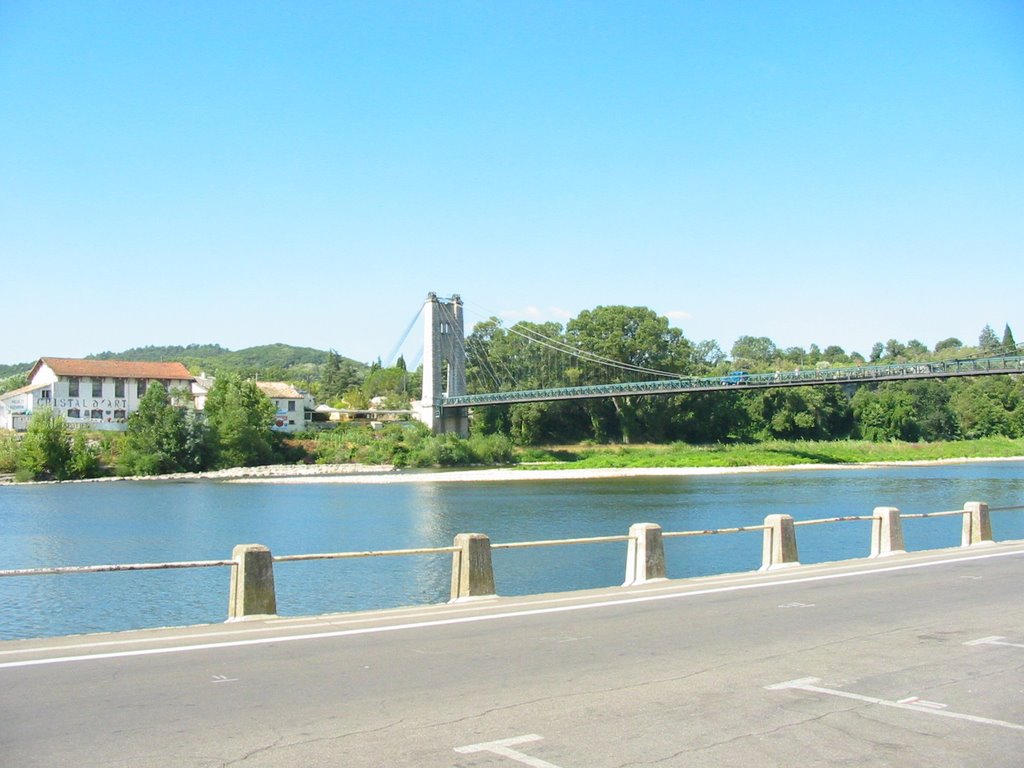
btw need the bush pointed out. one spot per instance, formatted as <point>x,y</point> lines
<point>8,452</point>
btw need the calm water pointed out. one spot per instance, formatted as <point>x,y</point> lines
<point>81,524</point>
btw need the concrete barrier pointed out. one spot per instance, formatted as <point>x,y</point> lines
<point>886,532</point>
<point>977,528</point>
<point>645,554</point>
<point>252,583</point>
<point>252,592</point>
<point>472,572</point>
<point>779,550</point>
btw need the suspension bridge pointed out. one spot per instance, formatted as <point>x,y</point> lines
<point>445,401</point>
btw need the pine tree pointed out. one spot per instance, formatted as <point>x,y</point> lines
<point>1009,345</point>
<point>987,340</point>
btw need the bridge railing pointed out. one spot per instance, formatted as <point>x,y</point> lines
<point>744,380</point>
<point>252,591</point>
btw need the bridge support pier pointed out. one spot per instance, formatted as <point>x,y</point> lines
<point>977,528</point>
<point>252,583</point>
<point>444,365</point>
<point>779,549</point>
<point>886,532</point>
<point>472,571</point>
<point>645,556</point>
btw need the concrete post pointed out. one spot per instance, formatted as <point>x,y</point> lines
<point>977,527</point>
<point>472,572</point>
<point>886,532</point>
<point>779,550</point>
<point>645,554</point>
<point>252,583</point>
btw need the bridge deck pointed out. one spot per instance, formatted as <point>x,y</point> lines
<point>742,380</point>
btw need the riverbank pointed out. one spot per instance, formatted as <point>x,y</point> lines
<point>608,461</point>
<point>507,474</point>
<point>268,473</point>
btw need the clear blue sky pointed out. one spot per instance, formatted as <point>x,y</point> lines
<point>246,173</point>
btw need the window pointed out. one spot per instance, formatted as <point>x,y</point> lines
<point>118,387</point>
<point>96,413</point>
<point>97,387</point>
<point>73,386</point>
<point>120,415</point>
<point>291,405</point>
<point>74,413</point>
<point>44,394</point>
<point>140,388</point>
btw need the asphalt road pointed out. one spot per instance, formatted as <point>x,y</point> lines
<point>911,660</point>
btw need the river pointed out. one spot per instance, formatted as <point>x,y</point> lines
<point>133,522</point>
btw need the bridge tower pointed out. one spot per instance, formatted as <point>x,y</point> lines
<point>444,365</point>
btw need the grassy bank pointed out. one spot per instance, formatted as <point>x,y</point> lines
<point>773,453</point>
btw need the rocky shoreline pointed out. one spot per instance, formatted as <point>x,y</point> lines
<point>381,474</point>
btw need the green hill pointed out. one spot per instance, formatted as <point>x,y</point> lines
<point>276,362</point>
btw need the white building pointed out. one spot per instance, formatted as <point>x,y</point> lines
<point>290,405</point>
<point>98,394</point>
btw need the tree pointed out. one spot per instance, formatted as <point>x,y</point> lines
<point>835,354</point>
<point>239,417</point>
<point>339,375</point>
<point>46,451</point>
<point>886,413</point>
<point>916,349</point>
<point>638,338</point>
<point>980,411</point>
<point>877,350</point>
<point>754,350</point>
<point>800,413</point>
<point>988,341</point>
<point>1009,345</point>
<point>950,343</point>
<point>162,437</point>
<point>895,349</point>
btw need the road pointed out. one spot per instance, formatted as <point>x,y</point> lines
<point>910,660</point>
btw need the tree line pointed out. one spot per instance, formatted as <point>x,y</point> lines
<point>543,355</point>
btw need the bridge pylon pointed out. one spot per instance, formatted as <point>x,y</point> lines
<point>444,365</point>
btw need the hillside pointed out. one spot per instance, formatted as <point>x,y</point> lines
<point>269,361</point>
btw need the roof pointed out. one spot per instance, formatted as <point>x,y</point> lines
<point>116,369</point>
<point>22,390</point>
<point>279,389</point>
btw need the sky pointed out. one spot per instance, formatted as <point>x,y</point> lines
<point>239,173</point>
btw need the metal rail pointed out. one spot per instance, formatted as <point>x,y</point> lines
<point>448,550</point>
<point>115,568</point>
<point>713,532</point>
<point>742,381</point>
<point>369,553</point>
<point>559,542</point>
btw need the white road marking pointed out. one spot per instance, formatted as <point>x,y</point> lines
<point>501,747</point>
<point>797,605</point>
<point>223,679</point>
<point>922,702</point>
<point>607,603</point>
<point>914,704</point>
<point>994,640</point>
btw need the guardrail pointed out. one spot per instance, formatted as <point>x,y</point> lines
<point>252,592</point>
<point>739,380</point>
